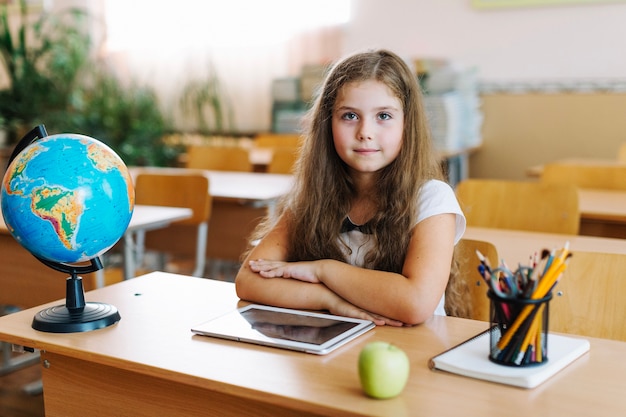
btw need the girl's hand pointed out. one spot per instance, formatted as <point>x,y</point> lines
<point>341,307</point>
<point>307,272</point>
<point>302,271</point>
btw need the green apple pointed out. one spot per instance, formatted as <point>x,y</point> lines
<point>383,370</point>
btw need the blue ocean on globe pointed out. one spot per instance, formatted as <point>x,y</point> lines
<point>67,198</point>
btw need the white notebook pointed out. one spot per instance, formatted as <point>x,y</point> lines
<point>471,358</point>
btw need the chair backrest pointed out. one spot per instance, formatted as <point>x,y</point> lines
<point>610,176</point>
<point>189,190</point>
<point>590,297</point>
<point>271,140</point>
<point>621,153</point>
<point>283,160</point>
<point>185,239</point>
<point>520,205</point>
<point>218,158</point>
<point>466,293</point>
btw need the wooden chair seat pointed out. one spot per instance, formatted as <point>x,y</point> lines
<point>520,205</point>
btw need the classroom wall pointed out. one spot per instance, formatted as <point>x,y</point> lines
<point>554,77</point>
<point>544,71</point>
<point>521,130</point>
<point>574,41</point>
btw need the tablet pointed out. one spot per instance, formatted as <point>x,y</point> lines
<point>299,330</point>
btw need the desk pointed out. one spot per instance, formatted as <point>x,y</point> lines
<point>516,245</point>
<point>150,364</point>
<point>603,212</point>
<point>240,200</point>
<point>535,171</point>
<point>254,188</point>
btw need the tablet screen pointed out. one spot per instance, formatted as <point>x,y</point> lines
<point>290,329</point>
<point>298,328</point>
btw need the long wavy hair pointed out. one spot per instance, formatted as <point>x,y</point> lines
<point>320,200</point>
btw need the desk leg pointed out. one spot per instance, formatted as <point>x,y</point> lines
<point>129,255</point>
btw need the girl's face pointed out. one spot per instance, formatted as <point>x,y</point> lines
<point>367,125</point>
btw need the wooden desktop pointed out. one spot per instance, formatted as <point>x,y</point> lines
<point>149,363</point>
<point>517,245</point>
<point>603,212</point>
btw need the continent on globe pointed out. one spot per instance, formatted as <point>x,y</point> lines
<point>67,198</point>
<point>62,208</point>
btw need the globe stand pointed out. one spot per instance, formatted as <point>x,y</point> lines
<point>76,315</point>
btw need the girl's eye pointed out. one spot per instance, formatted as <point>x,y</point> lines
<point>349,116</point>
<point>384,116</point>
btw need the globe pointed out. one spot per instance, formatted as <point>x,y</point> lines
<point>67,198</point>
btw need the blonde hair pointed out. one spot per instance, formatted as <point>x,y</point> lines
<point>457,290</point>
<point>323,189</point>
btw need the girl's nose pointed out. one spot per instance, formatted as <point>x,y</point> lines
<point>364,132</point>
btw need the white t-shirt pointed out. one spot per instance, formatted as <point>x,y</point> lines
<point>435,197</point>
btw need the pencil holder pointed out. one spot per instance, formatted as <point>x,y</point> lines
<point>519,330</point>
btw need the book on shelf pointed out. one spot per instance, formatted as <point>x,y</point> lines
<point>471,358</point>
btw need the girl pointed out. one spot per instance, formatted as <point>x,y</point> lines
<point>370,227</point>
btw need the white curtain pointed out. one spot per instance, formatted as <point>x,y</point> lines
<point>248,43</point>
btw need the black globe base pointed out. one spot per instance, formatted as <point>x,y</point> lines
<point>60,319</point>
<point>76,315</point>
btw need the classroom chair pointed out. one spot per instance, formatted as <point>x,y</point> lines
<point>466,292</point>
<point>277,140</point>
<point>621,153</point>
<point>283,160</point>
<point>218,158</point>
<point>586,175</point>
<point>177,189</point>
<point>520,205</point>
<point>590,297</point>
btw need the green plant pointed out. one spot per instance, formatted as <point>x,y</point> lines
<point>127,118</point>
<point>42,60</point>
<point>205,101</point>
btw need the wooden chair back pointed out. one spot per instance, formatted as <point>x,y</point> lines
<point>610,176</point>
<point>178,189</point>
<point>175,189</point>
<point>621,153</point>
<point>277,140</point>
<point>283,160</point>
<point>218,158</point>
<point>466,293</point>
<point>520,205</point>
<point>590,297</point>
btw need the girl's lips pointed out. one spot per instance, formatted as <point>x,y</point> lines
<point>365,151</point>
